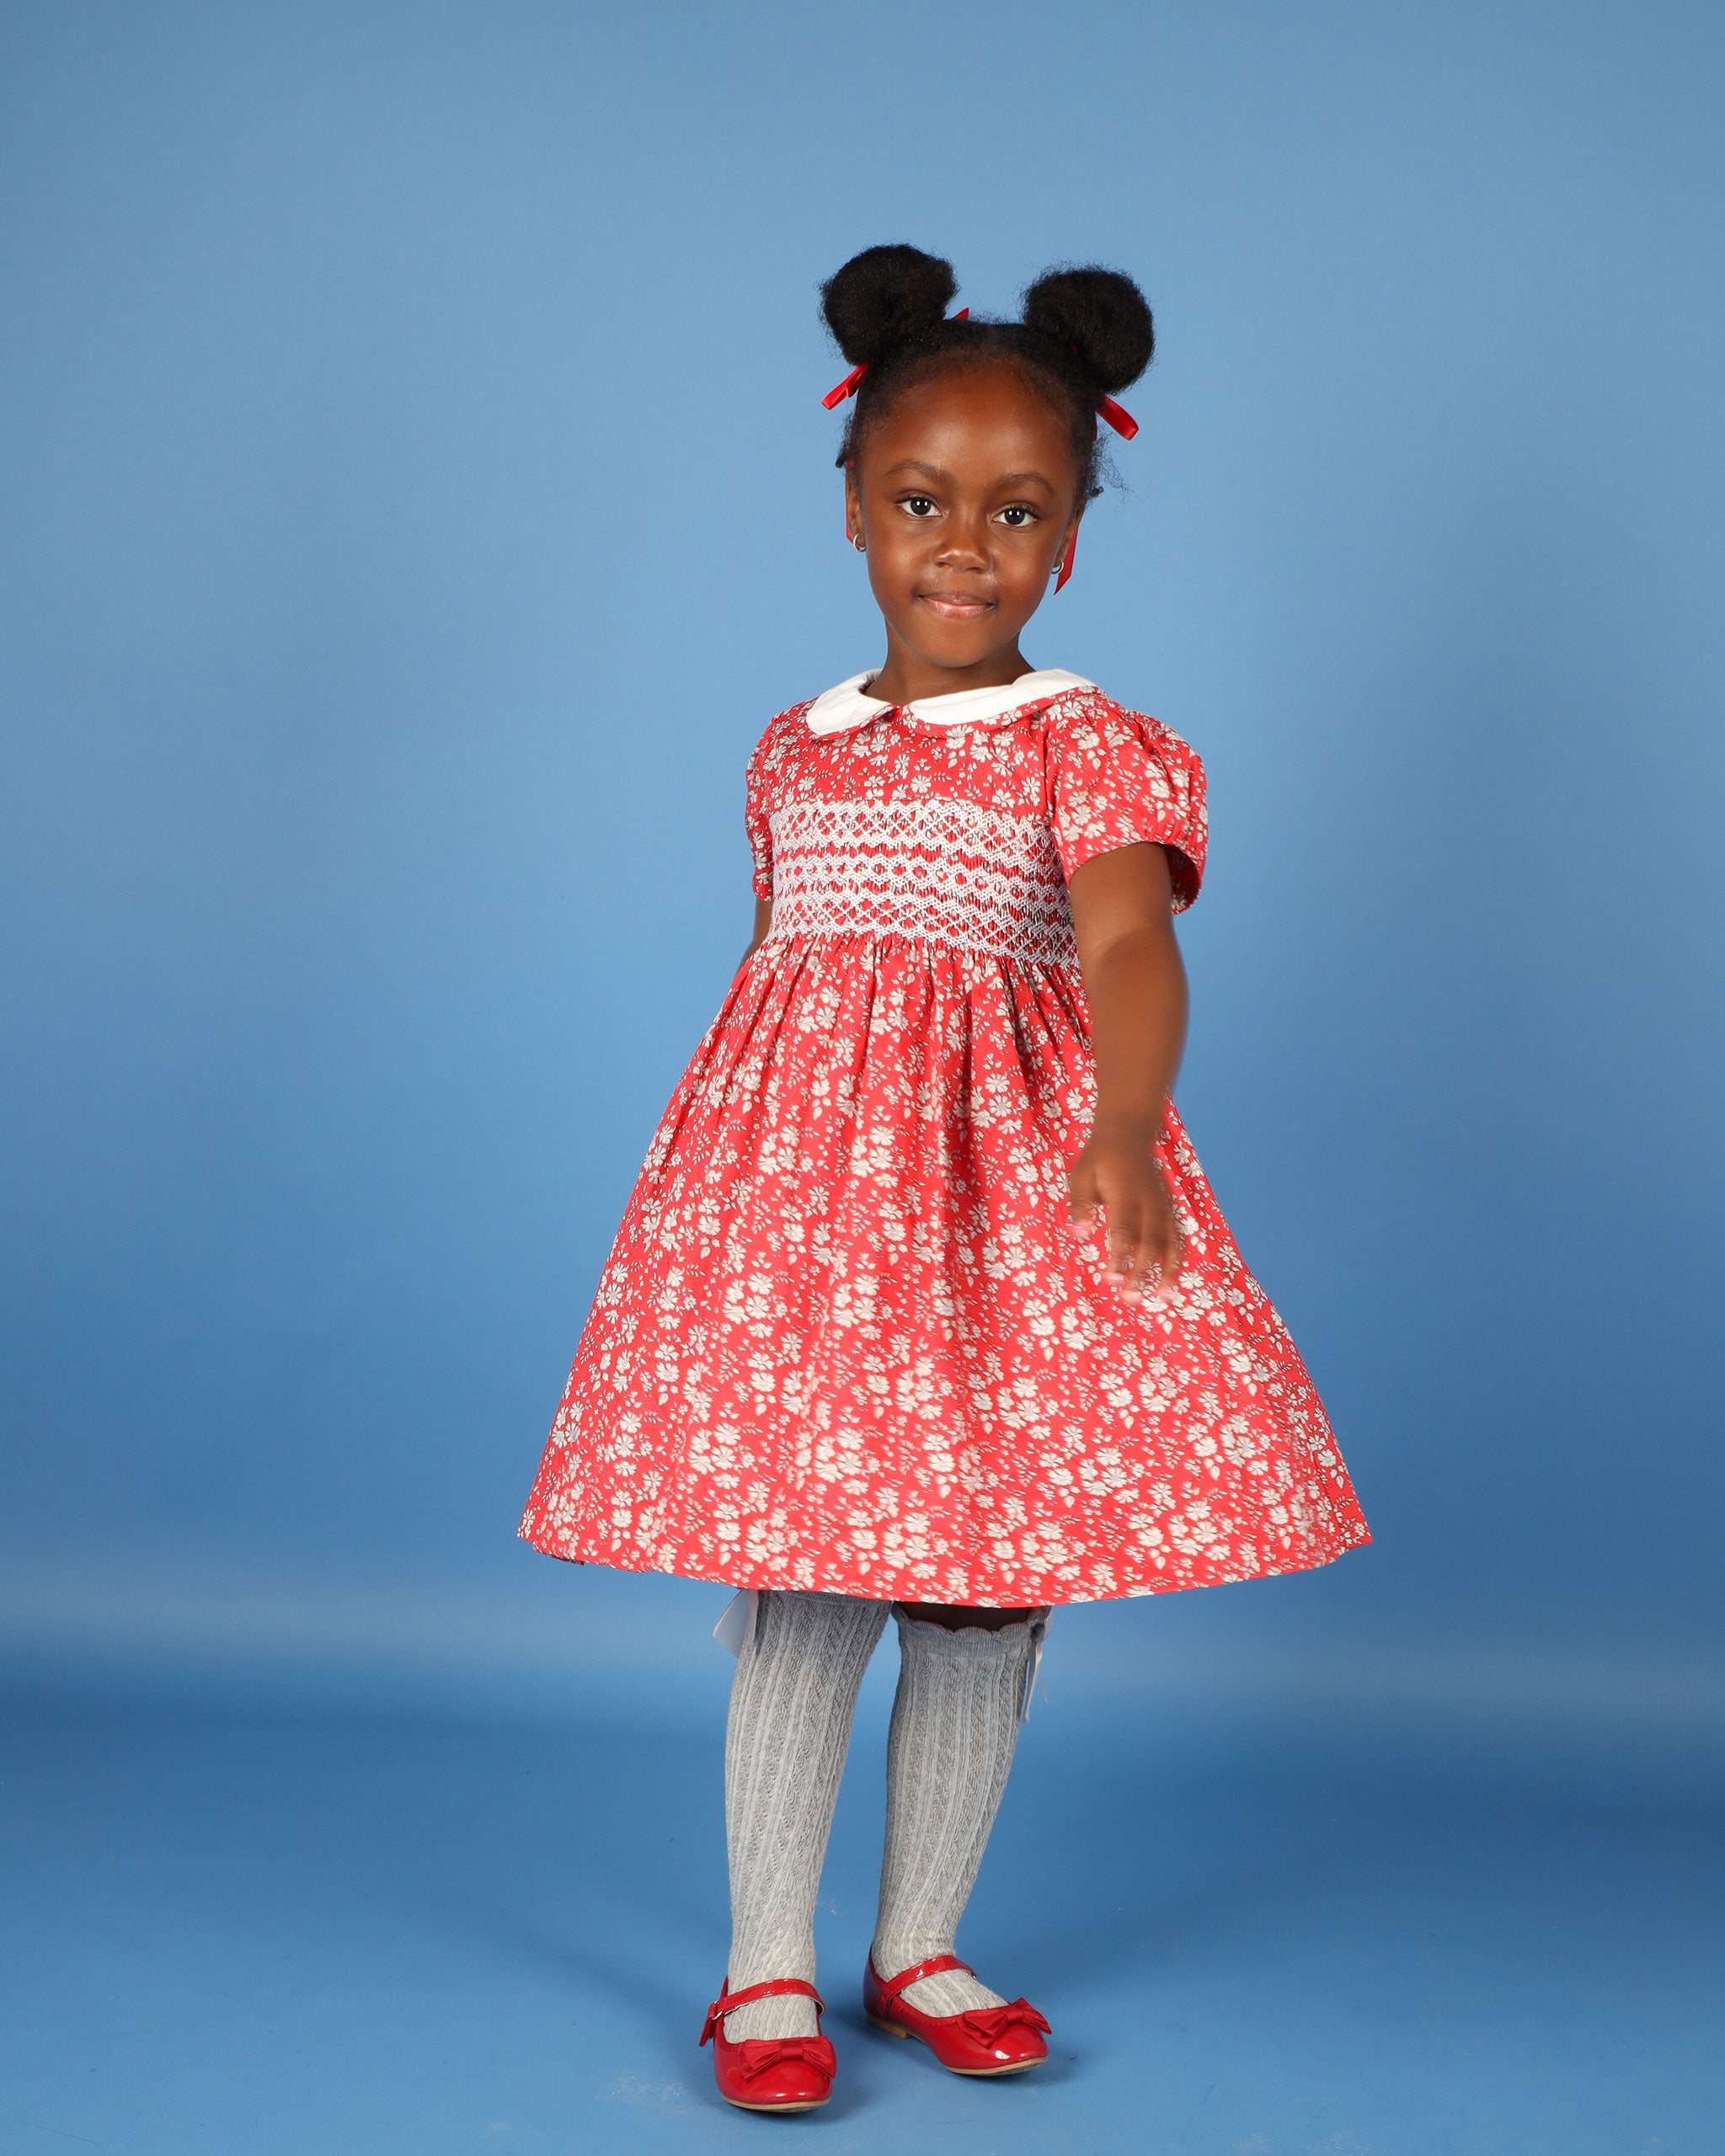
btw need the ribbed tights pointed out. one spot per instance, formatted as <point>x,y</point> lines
<point>791,1706</point>
<point>954,1724</point>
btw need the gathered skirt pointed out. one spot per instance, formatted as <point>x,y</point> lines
<point>846,1340</point>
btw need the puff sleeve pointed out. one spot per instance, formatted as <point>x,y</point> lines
<point>1117,778</point>
<point>756,822</point>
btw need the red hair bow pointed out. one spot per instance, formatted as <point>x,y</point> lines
<point>1118,417</point>
<point>848,388</point>
<point>853,381</point>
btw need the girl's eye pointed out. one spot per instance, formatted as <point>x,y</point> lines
<point>1017,514</point>
<point>919,505</point>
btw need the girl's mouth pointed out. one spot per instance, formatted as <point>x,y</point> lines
<point>957,606</point>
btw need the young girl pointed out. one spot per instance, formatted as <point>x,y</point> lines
<point>921,1304</point>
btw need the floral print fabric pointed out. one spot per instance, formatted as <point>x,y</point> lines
<point>846,1340</point>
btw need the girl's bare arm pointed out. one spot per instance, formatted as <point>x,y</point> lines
<point>1135,985</point>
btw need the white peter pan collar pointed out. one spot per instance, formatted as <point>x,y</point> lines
<point>840,708</point>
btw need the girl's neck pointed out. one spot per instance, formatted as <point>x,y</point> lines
<point>907,678</point>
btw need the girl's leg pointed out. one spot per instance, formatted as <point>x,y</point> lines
<point>791,1706</point>
<point>955,1721</point>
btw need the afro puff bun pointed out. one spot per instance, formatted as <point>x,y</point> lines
<point>1102,316</point>
<point>886,295</point>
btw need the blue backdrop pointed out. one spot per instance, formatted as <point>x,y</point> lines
<point>417,498</point>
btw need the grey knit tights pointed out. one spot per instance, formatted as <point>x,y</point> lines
<point>955,1720</point>
<point>784,1750</point>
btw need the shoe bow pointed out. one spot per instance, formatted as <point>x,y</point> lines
<point>992,2022</point>
<point>759,2054</point>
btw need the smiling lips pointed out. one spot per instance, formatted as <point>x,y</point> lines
<point>957,606</point>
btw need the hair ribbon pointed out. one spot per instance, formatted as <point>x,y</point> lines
<point>848,388</point>
<point>853,381</point>
<point>1118,417</point>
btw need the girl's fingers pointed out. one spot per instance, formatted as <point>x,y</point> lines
<point>1144,1256</point>
<point>1144,1251</point>
<point>1172,1256</point>
<point>1127,1254</point>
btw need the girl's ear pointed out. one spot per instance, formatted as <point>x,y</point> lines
<point>853,507</point>
<point>1069,547</point>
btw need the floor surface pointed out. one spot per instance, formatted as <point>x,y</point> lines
<point>279,1932</point>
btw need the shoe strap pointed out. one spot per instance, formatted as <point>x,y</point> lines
<point>777,1988</point>
<point>891,1987</point>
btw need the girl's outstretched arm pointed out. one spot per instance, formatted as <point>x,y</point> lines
<point>1135,984</point>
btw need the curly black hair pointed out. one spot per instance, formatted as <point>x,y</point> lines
<point>1085,333</point>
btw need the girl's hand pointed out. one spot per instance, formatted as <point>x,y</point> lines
<point>1117,1174</point>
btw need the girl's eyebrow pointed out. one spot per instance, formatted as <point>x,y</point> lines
<point>939,471</point>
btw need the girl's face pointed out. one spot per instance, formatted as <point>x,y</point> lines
<point>966,494</point>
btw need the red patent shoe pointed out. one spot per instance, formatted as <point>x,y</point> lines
<point>987,2039</point>
<point>770,2073</point>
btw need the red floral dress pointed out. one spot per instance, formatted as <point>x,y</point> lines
<point>846,1340</point>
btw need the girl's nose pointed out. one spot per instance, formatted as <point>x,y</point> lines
<point>966,544</point>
